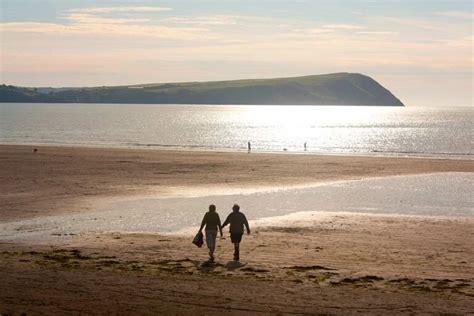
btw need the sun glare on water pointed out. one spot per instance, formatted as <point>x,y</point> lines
<point>292,126</point>
<point>299,116</point>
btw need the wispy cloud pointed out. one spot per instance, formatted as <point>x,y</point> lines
<point>343,26</point>
<point>457,14</point>
<point>82,18</point>
<point>204,20</point>
<point>91,21</point>
<point>108,28</point>
<point>403,22</point>
<point>124,9</point>
<point>382,33</point>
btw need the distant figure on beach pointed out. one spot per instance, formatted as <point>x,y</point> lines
<point>237,221</point>
<point>212,222</point>
<point>249,147</point>
<point>304,146</point>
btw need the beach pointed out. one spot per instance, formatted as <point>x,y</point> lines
<point>314,262</point>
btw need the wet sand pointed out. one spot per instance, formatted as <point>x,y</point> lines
<point>329,263</point>
<point>58,180</point>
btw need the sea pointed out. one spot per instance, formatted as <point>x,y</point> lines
<point>426,131</point>
<point>439,132</point>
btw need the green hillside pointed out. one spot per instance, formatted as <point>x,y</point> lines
<point>17,94</point>
<point>332,89</point>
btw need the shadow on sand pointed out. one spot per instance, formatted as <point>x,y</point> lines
<point>208,266</point>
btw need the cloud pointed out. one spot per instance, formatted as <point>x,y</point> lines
<point>413,24</point>
<point>81,18</point>
<point>204,20</point>
<point>457,14</point>
<point>108,28</point>
<point>32,27</point>
<point>308,34</point>
<point>138,9</point>
<point>377,33</point>
<point>464,42</point>
<point>319,31</point>
<point>343,26</point>
<point>89,21</point>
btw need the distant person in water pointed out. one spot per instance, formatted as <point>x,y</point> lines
<point>237,221</point>
<point>249,147</point>
<point>213,223</point>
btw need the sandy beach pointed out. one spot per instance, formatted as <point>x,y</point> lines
<point>316,263</point>
<point>55,178</point>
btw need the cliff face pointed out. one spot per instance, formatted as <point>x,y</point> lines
<point>332,89</point>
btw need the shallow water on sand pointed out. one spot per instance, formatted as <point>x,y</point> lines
<point>447,194</point>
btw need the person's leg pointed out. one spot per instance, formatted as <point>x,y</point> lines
<point>236,239</point>
<point>236,251</point>
<point>211,243</point>
<point>214,237</point>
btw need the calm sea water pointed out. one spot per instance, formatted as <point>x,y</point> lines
<point>343,129</point>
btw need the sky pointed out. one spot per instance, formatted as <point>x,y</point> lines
<point>421,50</point>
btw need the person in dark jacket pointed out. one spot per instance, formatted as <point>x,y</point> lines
<point>212,222</point>
<point>237,221</point>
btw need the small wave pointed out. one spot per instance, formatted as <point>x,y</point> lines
<point>325,150</point>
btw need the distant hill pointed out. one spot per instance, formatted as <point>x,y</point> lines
<point>17,94</point>
<point>331,89</point>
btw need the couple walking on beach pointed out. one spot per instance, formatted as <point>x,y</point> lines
<point>212,222</point>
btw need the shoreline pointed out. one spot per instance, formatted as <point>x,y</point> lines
<point>304,220</point>
<point>190,148</point>
<point>120,219</point>
<point>294,221</point>
<point>57,179</point>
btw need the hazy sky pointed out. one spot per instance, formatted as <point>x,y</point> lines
<point>421,50</point>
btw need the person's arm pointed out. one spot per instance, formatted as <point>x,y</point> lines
<point>226,222</point>
<point>203,223</point>
<point>246,223</point>
<point>219,224</point>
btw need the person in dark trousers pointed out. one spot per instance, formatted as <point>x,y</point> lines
<point>237,221</point>
<point>212,222</point>
<point>249,146</point>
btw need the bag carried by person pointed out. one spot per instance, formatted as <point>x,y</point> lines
<point>199,239</point>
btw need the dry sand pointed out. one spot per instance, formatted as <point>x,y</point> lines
<point>335,263</point>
